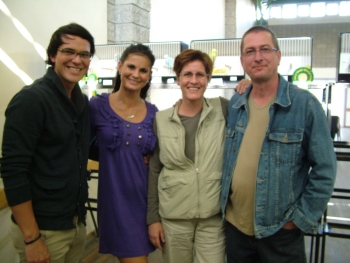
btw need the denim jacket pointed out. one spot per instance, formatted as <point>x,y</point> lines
<point>297,165</point>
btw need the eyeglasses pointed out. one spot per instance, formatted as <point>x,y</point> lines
<point>72,53</point>
<point>189,75</point>
<point>265,52</point>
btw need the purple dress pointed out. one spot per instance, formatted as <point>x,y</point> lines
<point>123,177</point>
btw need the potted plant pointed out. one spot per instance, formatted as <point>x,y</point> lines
<point>260,7</point>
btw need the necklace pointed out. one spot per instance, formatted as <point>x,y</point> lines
<point>129,115</point>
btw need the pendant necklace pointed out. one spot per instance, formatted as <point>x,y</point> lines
<point>127,114</point>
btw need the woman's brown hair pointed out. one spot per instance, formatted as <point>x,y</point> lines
<point>190,55</point>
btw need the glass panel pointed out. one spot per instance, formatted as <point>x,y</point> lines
<point>332,9</point>
<point>303,10</point>
<point>318,9</point>
<point>289,11</point>
<point>344,8</point>
<point>275,12</point>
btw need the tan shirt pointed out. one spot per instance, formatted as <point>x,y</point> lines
<point>240,207</point>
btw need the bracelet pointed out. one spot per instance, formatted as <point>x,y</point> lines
<point>32,241</point>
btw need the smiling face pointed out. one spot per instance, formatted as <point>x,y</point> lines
<point>71,69</point>
<point>193,81</point>
<point>135,72</point>
<point>260,68</point>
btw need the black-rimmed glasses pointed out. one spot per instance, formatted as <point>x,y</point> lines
<point>72,53</point>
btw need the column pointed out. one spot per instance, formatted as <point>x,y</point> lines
<point>128,21</point>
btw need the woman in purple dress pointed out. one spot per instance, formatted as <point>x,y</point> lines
<point>122,123</point>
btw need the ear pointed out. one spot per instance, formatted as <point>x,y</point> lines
<point>279,54</point>
<point>120,64</point>
<point>52,59</point>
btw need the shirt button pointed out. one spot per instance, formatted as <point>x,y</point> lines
<point>127,143</point>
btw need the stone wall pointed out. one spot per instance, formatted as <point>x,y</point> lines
<point>128,21</point>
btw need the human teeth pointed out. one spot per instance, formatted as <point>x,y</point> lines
<point>75,69</point>
<point>193,88</point>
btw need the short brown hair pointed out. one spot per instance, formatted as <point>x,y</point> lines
<point>260,29</point>
<point>71,29</point>
<point>190,55</point>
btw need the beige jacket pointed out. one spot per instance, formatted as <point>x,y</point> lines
<point>189,189</point>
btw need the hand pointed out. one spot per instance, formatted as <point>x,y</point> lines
<point>37,252</point>
<point>146,159</point>
<point>290,225</point>
<point>243,85</point>
<point>156,234</point>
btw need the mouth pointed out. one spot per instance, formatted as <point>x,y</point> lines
<point>193,89</point>
<point>258,67</point>
<point>133,81</point>
<point>74,69</point>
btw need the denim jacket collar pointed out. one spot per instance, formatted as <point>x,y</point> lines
<point>282,98</point>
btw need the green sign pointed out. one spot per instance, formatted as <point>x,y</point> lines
<point>303,74</point>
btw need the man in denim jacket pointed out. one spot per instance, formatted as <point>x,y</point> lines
<point>279,164</point>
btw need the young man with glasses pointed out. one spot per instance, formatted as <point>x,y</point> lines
<point>279,162</point>
<point>45,152</point>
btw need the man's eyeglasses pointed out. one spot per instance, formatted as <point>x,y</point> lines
<point>189,75</point>
<point>265,52</point>
<point>72,53</point>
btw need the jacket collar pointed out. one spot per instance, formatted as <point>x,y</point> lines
<point>282,97</point>
<point>77,96</point>
<point>206,109</point>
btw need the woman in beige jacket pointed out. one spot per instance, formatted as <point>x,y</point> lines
<point>186,168</point>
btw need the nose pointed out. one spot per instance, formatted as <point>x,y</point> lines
<point>193,78</point>
<point>77,59</point>
<point>135,74</point>
<point>258,55</point>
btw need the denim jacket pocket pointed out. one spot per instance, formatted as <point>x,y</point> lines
<point>285,146</point>
<point>229,135</point>
<point>229,132</point>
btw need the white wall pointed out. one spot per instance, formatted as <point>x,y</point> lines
<point>41,18</point>
<point>245,16</point>
<point>187,20</point>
